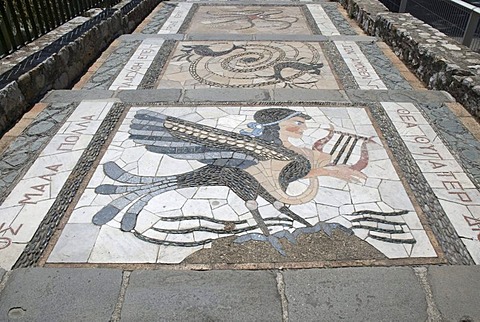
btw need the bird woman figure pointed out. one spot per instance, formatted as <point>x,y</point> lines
<point>260,161</point>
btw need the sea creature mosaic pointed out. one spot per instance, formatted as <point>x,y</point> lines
<point>180,178</point>
<point>250,20</point>
<point>248,65</point>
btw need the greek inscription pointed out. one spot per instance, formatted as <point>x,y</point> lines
<point>70,141</point>
<point>451,185</point>
<point>406,118</point>
<point>462,195</point>
<point>12,231</point>
<point>40,189</point>
<point>422,139</point>
<point>473,222</point>
<point>446,174</point>
<point>436,165</point>
<point>432,151</point>
<point>7,241</point>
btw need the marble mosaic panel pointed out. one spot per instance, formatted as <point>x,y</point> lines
<point>30,200</point>
<point>176,179</point>
<point>457,194</point>
<point>248,65</point>
<point>249,20</point>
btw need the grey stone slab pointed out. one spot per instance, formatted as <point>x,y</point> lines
<point>134,37</point>
<point>352,38</point>
<point>305,95</point>
<point>149,95</point>
<point>226,95</point>
<point>60,294</point>
<point>76,96</point>
<point>456,291</point>
<point>355,294</point>
<point>360,96</point>
<point>2,272</point>
<point>202,296</point>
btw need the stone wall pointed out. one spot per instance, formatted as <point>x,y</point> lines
<point>63,67</point>
<point>440,62</point>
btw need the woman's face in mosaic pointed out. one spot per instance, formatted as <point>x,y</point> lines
<point>293,127</point>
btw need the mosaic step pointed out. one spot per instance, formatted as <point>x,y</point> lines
<point>160,63</point>
<point>221,18</point>
<point>175,179</point>
<point>183,147</point>
<point>258,184</point>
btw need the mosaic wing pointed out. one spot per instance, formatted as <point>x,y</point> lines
<point>187,140</point>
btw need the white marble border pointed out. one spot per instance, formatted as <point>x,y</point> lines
<point>135,69</point>
<point>326,26</point>
<point>176,19</point>
<point>361,69</point>
<point>25,207</point>
<point>456,193</point>
<point>357,63</point>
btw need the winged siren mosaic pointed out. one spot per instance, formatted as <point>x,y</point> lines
<point>259,162</point>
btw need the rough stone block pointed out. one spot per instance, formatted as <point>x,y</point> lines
<point>76,96</point>
<point>50,294</point>
<point>149,95</point>
<point>202,296</point>
<point>12,106</point>
<point>305,95</point>
<point>456,291</point>
<point>226,95</point>
<point>355,294</point>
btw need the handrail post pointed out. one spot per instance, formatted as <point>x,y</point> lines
<point>471,27</point>
<point>403,6</point>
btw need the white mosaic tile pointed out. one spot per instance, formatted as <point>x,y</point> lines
<point>359,66</point>
<point>322,20</point>
<point>474,247</point>
<point>28,203</point>
<point>454,189</point>
<point>10,252</point>
<point>175,21</point>
<point>113,246</point>
<point>75,244</point>
<point>137,66</point>
<point>206,212</point>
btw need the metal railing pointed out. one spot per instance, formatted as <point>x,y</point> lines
<point>455,18</point>
<point>22,21</point>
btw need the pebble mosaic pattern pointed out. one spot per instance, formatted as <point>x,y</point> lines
<point>248,65</point>
<point>249,20</point>
<point>162,189</point>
